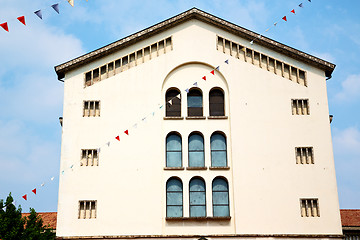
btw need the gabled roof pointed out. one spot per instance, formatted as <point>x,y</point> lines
<point>350,217</point>
<point>49,218</point>
<point>195,13</point>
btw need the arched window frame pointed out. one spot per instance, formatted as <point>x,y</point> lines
<point>216,102</point>
<point>195,102</point>
<point>170,152</point>
<point>171,196</point>
<point>221,207</point>
<point>218,152</point>
<point>193,152</point>
<point>197,198</point>
<point>173,102</point>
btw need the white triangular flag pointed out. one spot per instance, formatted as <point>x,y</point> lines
<point>52,178</point>
<point>71,2</point>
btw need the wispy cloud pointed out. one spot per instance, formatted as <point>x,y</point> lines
<point>350,89</point>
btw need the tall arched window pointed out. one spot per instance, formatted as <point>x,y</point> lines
<point>218,150</point>
<point>195,102</point>
<point>220,195</point>
<point>173,150</point>
<point>197,198</point>
<point>196,150</point>
<point>173,103</point>
<point>174,198</point>
<point>216,102</point>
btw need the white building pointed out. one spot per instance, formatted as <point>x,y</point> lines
<point>246,153</point>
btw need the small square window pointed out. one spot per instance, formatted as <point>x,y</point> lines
<point>87,209</point>
<point>309,207</point>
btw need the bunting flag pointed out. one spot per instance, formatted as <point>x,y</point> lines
<point>242,49</point>
<point>252,42</point>
<point>126,132</point>
<point>25,197</point>
<point>153,113</point>
<point>161,106</point>
<point>135,125</point>
<point>170,102</point>
<point>204,77</point>
<point>43,184</point>
<point>187,90</point>
<point>34,191</point>
<point>38,13</point>
<point>4,26</point>
<point>22,19</point>
<point>293,11</point>
<point>309,0</point>
<point>72,167</point>
<point>275,24</point>
<point>117,138</point>
<point>62,172</point>
<point>267,29</point>
<point>56,7</point>
<point>284,18</point>
<point>195,84</point>
<point>227,60</point>
<point>71,2</point>
<point>98,149</point>
<point>108,143</point>
<point>213,72</point>
<point>218,68</point>
<point>52,179</point>
<point>143,119</point>
<point>301,5</point>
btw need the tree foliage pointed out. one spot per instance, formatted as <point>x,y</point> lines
<point>14,227</point>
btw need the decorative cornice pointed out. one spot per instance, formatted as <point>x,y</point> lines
<point>195,13</point>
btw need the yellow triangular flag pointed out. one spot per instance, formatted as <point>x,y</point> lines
<point>71,2</point>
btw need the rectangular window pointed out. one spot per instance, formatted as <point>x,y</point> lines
<point>91,109</point>
<point>89,157</point>
<point>309,207</point>
<point>87,209</point>
<point>300,107</point>
<point>304,155</point>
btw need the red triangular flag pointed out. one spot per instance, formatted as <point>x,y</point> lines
<point>117,138</point>
<point>22,19</point>
<point>212,72</point>
<point>284,18</point>
<point>127,132</point>
<point>204,77</point>
<point>293,11</point>
<point>24,197</point>
<point>34,190</point>
<point>4,26</point>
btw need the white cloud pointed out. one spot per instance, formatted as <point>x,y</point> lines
<point>350,89</point>
<point>347,141</point>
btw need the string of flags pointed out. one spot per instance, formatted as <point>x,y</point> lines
<point>38,13</point>
<point>301,5</point>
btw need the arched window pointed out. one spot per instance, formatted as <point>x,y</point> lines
<point>220,196</point>
<point>173,150</point>
<point>173,103</point>
<point>174,198</point>
<point>218,150</point>
<point>197,198</point>
<point>196,150</point>
<point>195,103</point>
<point>216,102</point>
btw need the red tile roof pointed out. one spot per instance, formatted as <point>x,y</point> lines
<point>49,218</point>
<point>350,217</point>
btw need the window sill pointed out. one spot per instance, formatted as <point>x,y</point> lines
<point>198,218</point>
<point>173,168</point>
<point>173,118</point>
<point>219,168</point>
<point>217,117</point>
<point>195,117</point>
<point>196,168</point>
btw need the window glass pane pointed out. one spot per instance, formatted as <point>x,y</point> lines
<point>174,211</point>
<point>197,198</point>
<point>221,198</point>
<point>218,159</point>
<point>220,185</point>
<point>218,142</point>
<point>196,142</point>
<point>194,101</point>
<point>173,142</point>
<point>174,185</point>
<point>173,159</point>
<point>196,159</point>
<point>197,185</point>
<point>197,211</point>
<point>221,211</point>
<point>174,198</point>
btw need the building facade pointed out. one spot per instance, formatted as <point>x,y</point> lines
<point>187,130</point>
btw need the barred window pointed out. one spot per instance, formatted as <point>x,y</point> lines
<point>309,207</point>
<point>91,109</point>
<point>300,107</point>
<point>87,209</point>
<point>304,155</point>
<point>195,102</point>
<point>173,103</point>
<point>89,157</point>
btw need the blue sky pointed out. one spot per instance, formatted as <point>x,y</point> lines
<point>31,96</point>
